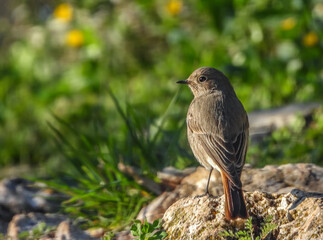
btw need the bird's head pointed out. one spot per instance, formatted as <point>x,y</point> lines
<point>206,80</point>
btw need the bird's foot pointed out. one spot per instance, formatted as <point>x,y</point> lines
<point>209,195</point>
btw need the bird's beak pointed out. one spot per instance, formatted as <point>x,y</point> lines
<point>182,82</point>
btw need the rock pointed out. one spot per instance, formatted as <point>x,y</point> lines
<point>139,178</point>
<point>282,179</point>
<point>272,179</point>
<point>190,185</point>
<point>171,176</point>
<point>61,227</point>
<point>203,217</point>
<point>19,195</point>
<point>27,222</point>
<point>67,231</point>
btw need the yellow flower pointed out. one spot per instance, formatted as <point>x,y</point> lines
<point>74,38</point>
<point>64,12</point>
<point>310,39</point>
<point>174,7</point>
<point>288,23</point>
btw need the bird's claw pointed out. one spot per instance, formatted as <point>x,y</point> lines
<point>209,195</point>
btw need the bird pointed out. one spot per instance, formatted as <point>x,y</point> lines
<point>218,133</point>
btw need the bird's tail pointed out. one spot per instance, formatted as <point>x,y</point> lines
<point>235,206</point>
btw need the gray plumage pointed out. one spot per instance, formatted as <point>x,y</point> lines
<point>217,126</point>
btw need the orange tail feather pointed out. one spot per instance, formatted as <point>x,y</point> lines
<point>235,206</point>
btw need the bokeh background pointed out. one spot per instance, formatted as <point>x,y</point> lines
<point>85,85</point>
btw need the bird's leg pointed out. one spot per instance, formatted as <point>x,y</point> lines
<point>207,187</point>
<point>208,182</point>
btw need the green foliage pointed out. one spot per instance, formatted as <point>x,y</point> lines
<point>148,231</point>
<point>61,61</point>
<point>266,227</point>
<point>248,234</point>
<point>108,236</point>
<point>98,191</point>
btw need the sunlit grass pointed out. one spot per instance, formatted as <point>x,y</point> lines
<point>98,191</point>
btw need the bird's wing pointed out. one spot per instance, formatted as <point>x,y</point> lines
<point>229,156</point>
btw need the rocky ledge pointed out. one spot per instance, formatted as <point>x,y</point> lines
<point>203,217</point>
<point>26,207</point>
<point>269,192</point>
<point>270,179</point>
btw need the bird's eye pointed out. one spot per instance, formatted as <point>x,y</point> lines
<point>202,79</point>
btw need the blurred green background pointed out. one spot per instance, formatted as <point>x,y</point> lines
<point>93,81</point>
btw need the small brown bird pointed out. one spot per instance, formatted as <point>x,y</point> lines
<point>218,131</point>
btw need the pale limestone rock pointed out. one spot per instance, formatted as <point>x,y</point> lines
<point>203,217</point>
<point>271,178</point>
